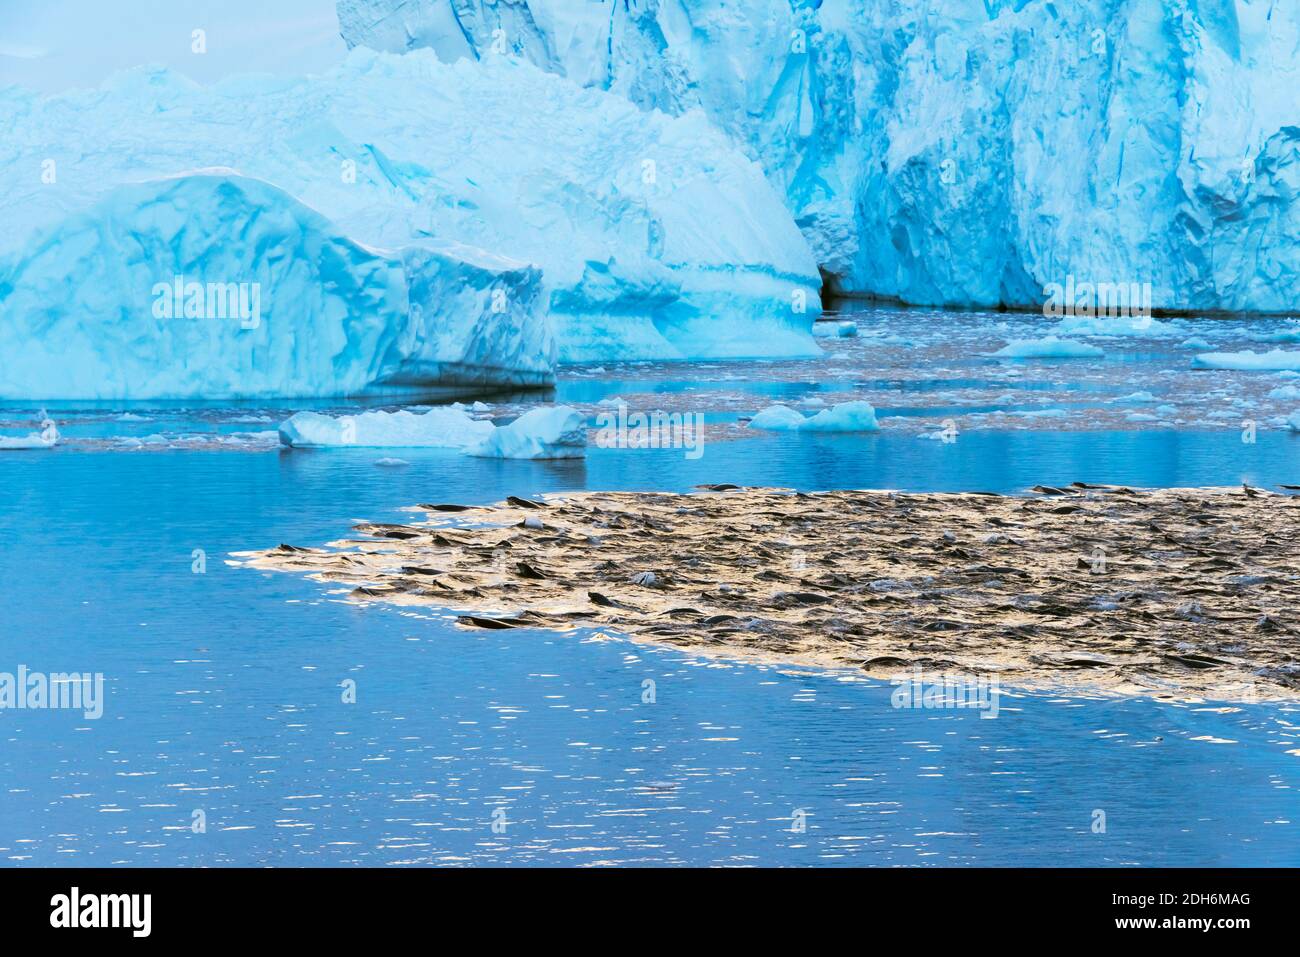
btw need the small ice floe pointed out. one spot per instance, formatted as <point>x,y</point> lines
<point>438,427</point>
<point>549,432</point>
<point>1138,325</point>
<point>1285,392</point>
<point>1293,420</point>
<point>46,438</point>
<point>33,440</point>
<point>842,417</point>
<point>1289,333</point>
<point>1249,361</point>
<point>388,462</point>
<point>1137,397</point>
<point>1196,342</point>
<point>1050,347</point>
<point>835,330</point>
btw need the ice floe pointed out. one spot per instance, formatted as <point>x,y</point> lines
<point>549,432</point>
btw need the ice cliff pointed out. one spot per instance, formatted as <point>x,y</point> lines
<point>655,238</point>
<point>959,152</point>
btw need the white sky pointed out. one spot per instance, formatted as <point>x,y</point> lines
<point>56,44</point>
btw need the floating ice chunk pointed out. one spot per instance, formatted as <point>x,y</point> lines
<point>842,417</point>
<point>1196,342</point>
<point>1115,326</point>
<point>1050,347</point>
<point>439,427</point>
<point>777,418</point>
<point>46,438</point>
<point>1285,392</point>
<point>550,432</point>
<point>387,462</point>
<point>1249,360</point>
<point>33,440</point>
<point>1289,333</point>
<point>833,330</point>
<point>1293,420</point>
<point>1137,397</point>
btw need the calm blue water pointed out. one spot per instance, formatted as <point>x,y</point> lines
<point>223,689</point>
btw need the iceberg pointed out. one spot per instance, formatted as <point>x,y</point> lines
<point>439,427</point>
<point>220,286</point>
<point>548,432</point>
<point>655,237</point>
<point>1278,360</point>
<point>936,153</point>
<point>856,416</point>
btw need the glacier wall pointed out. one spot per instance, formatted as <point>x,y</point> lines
<point>959,152</point>
<point>656,238</point>
<point>214,285</point>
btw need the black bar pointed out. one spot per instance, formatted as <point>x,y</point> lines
<point>536,906</point>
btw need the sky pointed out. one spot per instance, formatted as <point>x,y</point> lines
<point>53,45</point>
